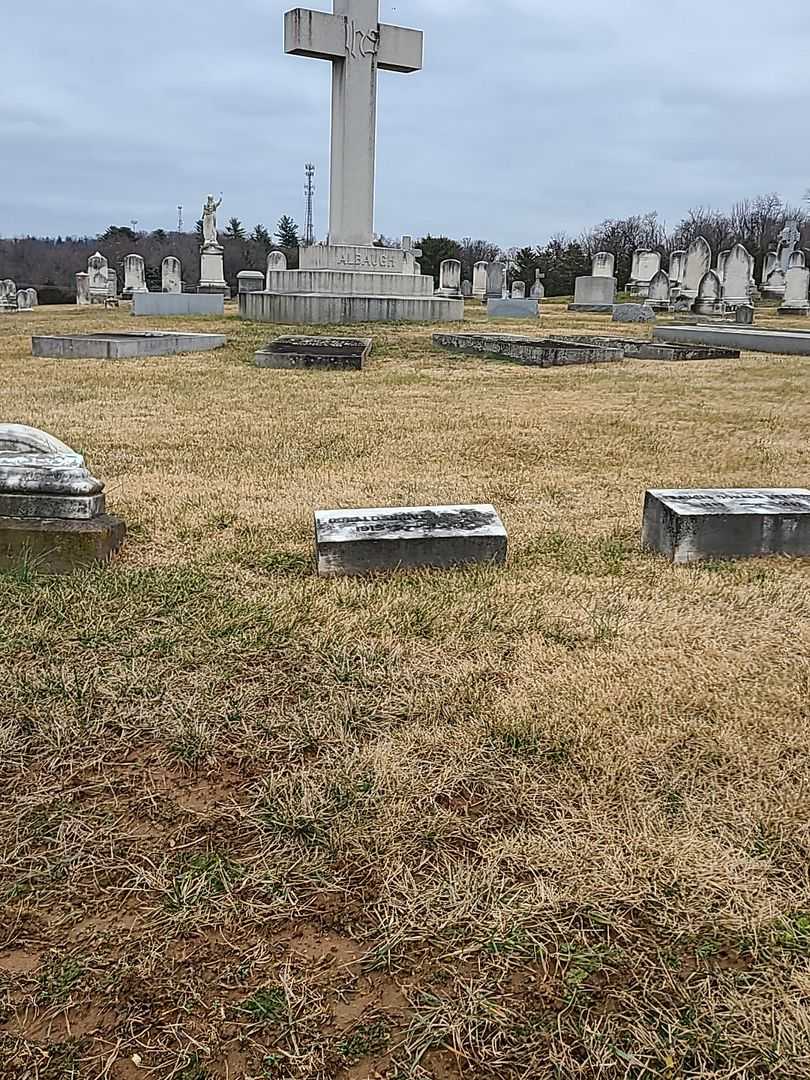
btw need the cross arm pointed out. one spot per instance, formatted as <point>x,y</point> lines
<point>400,49</point>
<point>315,33</point>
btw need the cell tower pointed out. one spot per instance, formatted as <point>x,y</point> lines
<point>309,191</point>
<point>179,218</point>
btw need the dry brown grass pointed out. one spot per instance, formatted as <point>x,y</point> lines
<point>544,822</point>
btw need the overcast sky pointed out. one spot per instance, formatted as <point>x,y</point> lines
<point>529,117</point>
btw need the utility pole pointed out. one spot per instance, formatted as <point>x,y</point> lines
<point>179,218</point>
<point>309,191</point>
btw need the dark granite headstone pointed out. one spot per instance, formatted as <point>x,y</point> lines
<point>352,543</point>
<point>690,525</point>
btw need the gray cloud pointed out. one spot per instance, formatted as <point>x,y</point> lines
<point>527,119</point>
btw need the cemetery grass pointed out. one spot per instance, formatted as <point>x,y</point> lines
<point>549,821</point>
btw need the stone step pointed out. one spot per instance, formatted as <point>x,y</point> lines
<point>349,282</point>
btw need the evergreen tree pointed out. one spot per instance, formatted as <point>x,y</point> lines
<point>235,229</point>
<point>527,262</point>
<point>287,232</point>
<point>435,249</point>
<point>263,237</point>
<point>198,229</point>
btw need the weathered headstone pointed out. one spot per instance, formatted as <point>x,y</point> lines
<point>596,294</point>
<point>633,313</point>
<point>744,315</point>
<point>52,511</point>
<point>533,352</point>
<point>354,543</point>
<point>769,264</point>
<point>171,274</point>
<point>646,265</point>
<point>737,277</point>
<point>659,292</point>
<point>134,275</point>
<point>797,287</point>
<point>518,290</point>
<point>249,281</point>
<point>82,289</point>
<point>308,353</point>
<point>538,290</point>
<point>722,259</point>
<point>698,264</point>
<point>603,264</point>
<point>112,284</point>
<point>466,288</point>
<point>23,300</point>
<point>33,298</point>
<point>480,280</point>
<point>789,240</point>
<point>693,525</point>
<point>677,269</point>
<point>450,278</point>
<point>709,298</point>
<point>776,284</point>
<point>97,268</point>
<point>797,259</point>
<point>496,280</point>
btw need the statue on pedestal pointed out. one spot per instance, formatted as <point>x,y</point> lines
<point>209,220</point>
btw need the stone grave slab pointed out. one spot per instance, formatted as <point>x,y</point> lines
<point>354,543</point>
<point>633,313</point>
<point>305,353</point>
<point>637,349</point>
<point>754,339</point>
<point>693,525</point>
<point>594,294</point>
<point>107,346</point>
<point>534,352</point>
<point>144,303</point>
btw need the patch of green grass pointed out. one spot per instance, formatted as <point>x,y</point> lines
<point>267,1005</point>
<point>201,880</point>
<point>58,979</point>
<point>365,1039</point>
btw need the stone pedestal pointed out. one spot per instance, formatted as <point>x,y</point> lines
<point>59,547</point>
<point>306,353</point>
<point>212,270</point>
<point>339,284</point>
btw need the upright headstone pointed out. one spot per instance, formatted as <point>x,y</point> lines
<point>479,285</point>
<point>112,284</point>
<point>134,275</point>
<point>646,265</point>
<point>737,278</point>
<point>597,294</point>
<point>518,290</point>
<point>603,264</point>
<point>249,281</point>
<point>276,261</point>
<point>82,289</point>
<point>8,293</point>
<point>722,259</point>
<point>797,288</point>
<point>789,240</point>
<point>33,298</point>
<point>466,287</point>
<point>496,280</point>
<point>709,297</point>
<point>770,263</point>
<point>171,273</point>
<point>797,259</point>
<point>776,284</point>
<point>450,278</point>
<point>659,292</point>
<point>677,268</point>
<point>698,264</point>
<point>23,300</point>
<point>98,270</point>
<point>538,289</point>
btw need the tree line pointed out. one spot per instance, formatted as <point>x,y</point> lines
<point>50,265</point>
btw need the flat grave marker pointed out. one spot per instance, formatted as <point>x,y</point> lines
<point>353,543</point>
<point>305,353</point>
<point>690,525</point>
<point>534,352</point>
<point>123,346</point>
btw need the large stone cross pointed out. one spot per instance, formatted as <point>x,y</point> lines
<point>357,44</point>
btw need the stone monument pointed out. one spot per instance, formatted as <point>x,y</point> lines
<point>677,266</point>
<point>134,275</point>
<point>538,290</point>
<point>52,511</point>
<point>212,258</point>
<point>603,264</point>
<point>789,239</point>
<point>659,291</point>
<point>99,284</point>
<point>597,294</point>
<point>450,278</point>
<point>698,262</point>
<point>480,280</point>
<point>349,279</point>
<point>709,297</point>
<point>737,277</point>
<point>518,290</point>
<point>82,289</point>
